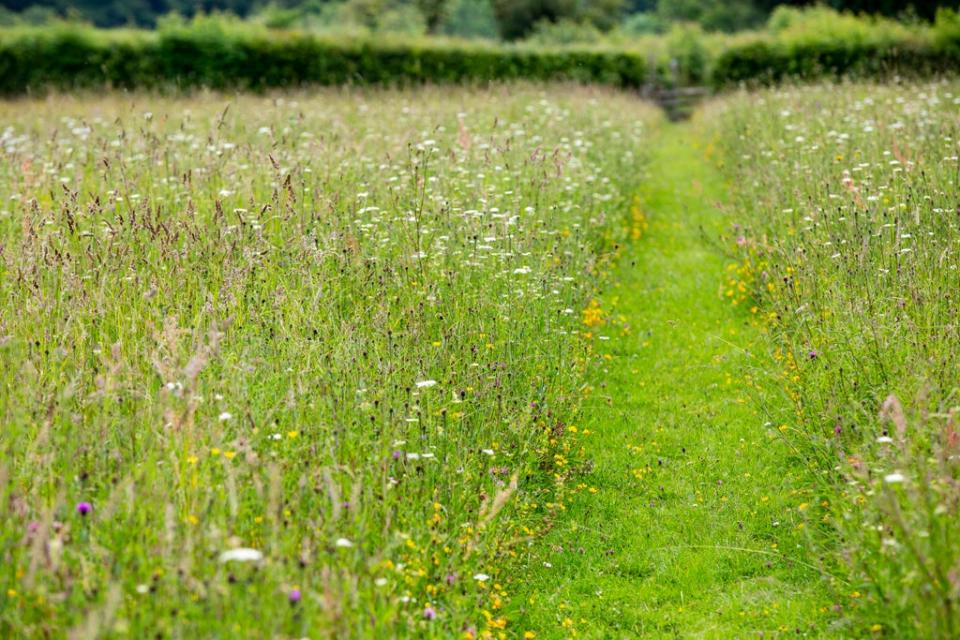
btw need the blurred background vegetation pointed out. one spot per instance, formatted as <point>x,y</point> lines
<point>262,44</point>
<point>545,21</point>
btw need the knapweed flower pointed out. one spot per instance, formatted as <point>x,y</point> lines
<point>813,354</point>
<point>84,508</point>
<point>451,578</point>
<point>429,613</point>
<point>294,596</point>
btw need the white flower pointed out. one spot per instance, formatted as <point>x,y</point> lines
<point>343,543</point>
<point>226,415</point>
<point>489,452</point>
<point>481,577</point>
<point>893,478</point>
<point>884,439</point>
<point>380,582</point>
<point>241,554</point>
<point>426,384</point>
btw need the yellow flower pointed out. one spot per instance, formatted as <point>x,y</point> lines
<point>529,635</point>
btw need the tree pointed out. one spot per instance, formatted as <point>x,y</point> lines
<point>470,19</point>
<point>517,18</point>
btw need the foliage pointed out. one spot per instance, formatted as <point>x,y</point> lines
<point>470,19</point>
<point>820,42</point>
<point>212,52</point>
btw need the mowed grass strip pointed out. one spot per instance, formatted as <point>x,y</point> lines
<point>685,526</point>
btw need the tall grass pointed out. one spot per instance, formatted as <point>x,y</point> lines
<point>294,366</point>
<point>847,239</point>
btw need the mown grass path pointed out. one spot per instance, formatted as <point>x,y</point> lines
<point>693,528</point>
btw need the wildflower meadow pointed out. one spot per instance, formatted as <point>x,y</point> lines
<point>412,343</point>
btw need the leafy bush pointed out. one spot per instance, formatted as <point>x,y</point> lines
<point>210,52</point>
<point>819,42</point>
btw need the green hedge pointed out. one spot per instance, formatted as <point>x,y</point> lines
<point>935,52</point>
<point>772,62</point>
<point>73,58</point>
<point>206,53</point>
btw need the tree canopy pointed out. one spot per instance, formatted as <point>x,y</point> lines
<point>511,18</point>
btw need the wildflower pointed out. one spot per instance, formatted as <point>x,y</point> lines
<point>429,613</point>
<point>481,577</point>
<point>451,578</point>
<point>343,543</point>
<point>813,354</point>
<point>884,439</point>
<point>294,595</point>
<point>226,415</point>
<point>84,508</point>
<point>893,478</point>
<point>241,554</point>
<point>426,384</point>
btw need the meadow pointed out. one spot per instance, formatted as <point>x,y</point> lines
<point>515,361</point>
<point>294,365</point>
<point>846,225</point>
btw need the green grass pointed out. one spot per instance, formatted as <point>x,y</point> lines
<point>333,328</point>
<point>521,362</point>
<point>848,222</point>
<point>691,532</point>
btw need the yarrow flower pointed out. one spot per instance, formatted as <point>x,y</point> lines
<point>241,554</point>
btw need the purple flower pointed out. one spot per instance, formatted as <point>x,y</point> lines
<point>429,613</point>
<point>451,578</point>
<point>837,430</point>
<point>813,354</point>
<point>397,455</point>
<point>294,596</point>
<point>84,508</point>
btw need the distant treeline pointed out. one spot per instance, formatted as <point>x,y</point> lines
<point>211,52</point>
<point>508,19</point>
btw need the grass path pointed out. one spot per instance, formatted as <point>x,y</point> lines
<point>694,522</point>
